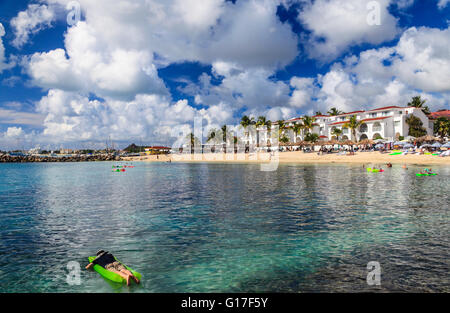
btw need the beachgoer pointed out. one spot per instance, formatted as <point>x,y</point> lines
<point>107,261</point>
<point>389,165</point>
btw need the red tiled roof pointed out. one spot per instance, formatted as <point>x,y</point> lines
<point>365,120</point>
<point>294,119</point>
<point>323,137</point>
<point>354,112</point>
<point>387,108</point>
<point>337,123</point>
<point>376,118</point>
<point>300,118</point>
<point>438,114</point>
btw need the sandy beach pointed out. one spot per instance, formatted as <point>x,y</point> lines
<point>298,157</point>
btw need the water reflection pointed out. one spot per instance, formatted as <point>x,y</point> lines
<point>214,227</point>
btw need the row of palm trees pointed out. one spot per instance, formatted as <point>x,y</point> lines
<point>305,125</point>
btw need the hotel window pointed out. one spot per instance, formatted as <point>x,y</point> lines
<point>363,128</point>
<point>376,127</point>
<point>397,123</point>
<point>400,112</point>
<point>384,114</point>
<point>373,114</point>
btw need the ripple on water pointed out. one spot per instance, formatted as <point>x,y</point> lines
<point>219,228</point>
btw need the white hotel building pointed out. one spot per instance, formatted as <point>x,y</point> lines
<point>388,123</point>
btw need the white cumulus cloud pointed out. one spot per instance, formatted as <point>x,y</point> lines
<point>443,3</point>
<point>4,65</point>
<point>337,25</point>
<point>418,65</point>
<point>34,19</point>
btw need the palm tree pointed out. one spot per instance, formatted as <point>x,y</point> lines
<point>417,102</point>
<point>336,132</point>
<point>247,121</point>
<point>312,137</point>
<point>262,122</point>
<point>213,134</point>
<point>297,128</point>
<point>308,123</point>
<point>415,126</point>
<point>281,127</point>
<point>284,139</point>
<point>442,127</point>
<point>192,141</point>
<point>225,135</point>
<point>318,113</point>
<point>334,112</point>
<point>353,124</point>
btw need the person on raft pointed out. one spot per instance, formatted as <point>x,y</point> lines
<point>107,261</point>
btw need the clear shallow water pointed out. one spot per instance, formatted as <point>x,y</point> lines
<point>225,228</point>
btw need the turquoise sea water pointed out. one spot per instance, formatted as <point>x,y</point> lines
<point>225,227</point>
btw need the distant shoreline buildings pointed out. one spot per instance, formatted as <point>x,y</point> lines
<point>388,123</point>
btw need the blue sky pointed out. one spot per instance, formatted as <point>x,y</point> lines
<point>129,69</point>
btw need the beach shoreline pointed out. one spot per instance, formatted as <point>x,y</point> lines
<point>295,157</point>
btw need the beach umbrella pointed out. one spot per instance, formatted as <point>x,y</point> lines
<point>366,142</point>
<point>334,142</point>
<point>447,145</point>
<point>379,141</point>
<point>399,143</point>
<point>378,146</point>
<point>348,143</point>
<point>427,138</point>
<point>425,146</point>
<point>436,145</point>
<point>408,145</point>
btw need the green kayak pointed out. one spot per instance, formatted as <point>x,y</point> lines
<point>111,275</point>
<point>430,174</point>
<point>375,170</point>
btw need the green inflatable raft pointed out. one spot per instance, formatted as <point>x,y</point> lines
<point>374,170</point>
<point>428,174</point>
<point>111,275</point>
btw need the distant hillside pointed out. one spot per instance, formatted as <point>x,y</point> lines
<point>134,149</point>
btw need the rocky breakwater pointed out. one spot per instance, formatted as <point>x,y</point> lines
<point>5,158</point>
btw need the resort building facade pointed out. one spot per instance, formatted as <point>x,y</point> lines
<point>388,123</point>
